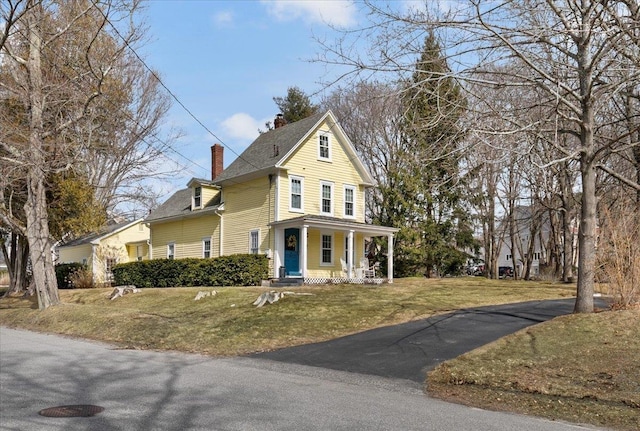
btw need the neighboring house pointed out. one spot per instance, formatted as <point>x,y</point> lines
<point>296,194</point>
<point>101,251</point>
<point>525,242</point>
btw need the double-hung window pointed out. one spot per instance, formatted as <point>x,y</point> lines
<point>324,148</point>
<point>254,241</point>
<point>326,252</point>
<point>326,198</point>
<point>171,251</point>
<point>349,201</point>
<point>197,197</point>
<point>206,248</point>
<point>296,202</point>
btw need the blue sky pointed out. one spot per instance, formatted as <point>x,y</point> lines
<point>226,60</point>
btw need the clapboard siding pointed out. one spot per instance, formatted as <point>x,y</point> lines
<point>304,162</point>
<point>247,206</point>
<point>187,235</point>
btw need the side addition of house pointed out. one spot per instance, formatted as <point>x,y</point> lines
<point>296,194</point>
<point>102,250</point>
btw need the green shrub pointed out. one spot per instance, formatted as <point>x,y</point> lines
<point>234,270</point>
<point>64,273</point>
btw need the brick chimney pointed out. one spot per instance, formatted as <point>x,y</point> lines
<point>279,121</point>
<point>217,160</point>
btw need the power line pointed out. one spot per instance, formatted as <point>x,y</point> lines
<point>171,93</point>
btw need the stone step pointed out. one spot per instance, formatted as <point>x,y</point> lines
<point>287,282</point>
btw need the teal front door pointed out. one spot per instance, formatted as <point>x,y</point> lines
<point>292,251</point>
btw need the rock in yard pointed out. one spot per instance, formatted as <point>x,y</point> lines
<point>119,291</point>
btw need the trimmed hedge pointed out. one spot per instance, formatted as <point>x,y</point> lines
<point>234,270</point>
<point>65,270</point>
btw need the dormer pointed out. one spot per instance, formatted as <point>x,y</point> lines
<point>202,193</point>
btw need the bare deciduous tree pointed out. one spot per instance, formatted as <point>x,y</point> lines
<point>579,54</point>
<point>84,104</point>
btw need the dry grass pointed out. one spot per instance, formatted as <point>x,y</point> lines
<point>583,368</point>
<point>227,324</point>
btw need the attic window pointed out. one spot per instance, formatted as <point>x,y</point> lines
<point>324,147</point>
<point>197,197</point>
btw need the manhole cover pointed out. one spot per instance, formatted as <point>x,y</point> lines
<point>82,410</point>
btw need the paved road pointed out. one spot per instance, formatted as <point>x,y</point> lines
<point>144,391</point>
<point>409,350</point>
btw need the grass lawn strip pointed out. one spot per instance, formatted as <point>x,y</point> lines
<point>582,368</point>
<point>228,325</point>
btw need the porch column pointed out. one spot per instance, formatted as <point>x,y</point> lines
<point>303,250</point>
<point>350,256</point>
<point>278,254</point>
<point>390,258</point>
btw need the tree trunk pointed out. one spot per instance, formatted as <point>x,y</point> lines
<point>587,233</point>
<point>44,277</point>
<point>567,228</point>
<point>17,264</point>
<point>587,241</point>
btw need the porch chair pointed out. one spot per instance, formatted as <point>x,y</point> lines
<point>366,270</point>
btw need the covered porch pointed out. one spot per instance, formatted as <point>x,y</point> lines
<point>319,250</point>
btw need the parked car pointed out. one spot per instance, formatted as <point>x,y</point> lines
<point>505,272</point>
<point>475,270</point>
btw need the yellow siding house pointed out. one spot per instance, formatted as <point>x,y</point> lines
<point>116,243</point>
<point>296,194</point>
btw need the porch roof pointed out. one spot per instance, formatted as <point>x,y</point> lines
<point>326,222</point>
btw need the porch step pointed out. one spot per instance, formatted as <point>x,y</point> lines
<point>287,282</point>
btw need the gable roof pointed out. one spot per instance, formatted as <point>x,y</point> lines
<point>179,205</point>
<point>271,149</point>
<point>96,237</point>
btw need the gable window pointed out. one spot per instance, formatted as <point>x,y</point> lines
<point>326,252</point>
<point>254,241</point>
<point>206,248</point>
<point>323,147</point>
<point>171,251</point>
<point>197,197</point>
<point>326,198</point>
<point>349,201</point>
<point>296,201</point>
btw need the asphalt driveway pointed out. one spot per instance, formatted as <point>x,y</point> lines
<point>408,351</point>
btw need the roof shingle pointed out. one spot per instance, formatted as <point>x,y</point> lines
<point>261,155</point>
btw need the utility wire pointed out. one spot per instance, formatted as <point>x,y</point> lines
<point>171,93</point>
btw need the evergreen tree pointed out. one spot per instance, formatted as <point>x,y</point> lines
<point>427,193</point>
<point>296,105</point>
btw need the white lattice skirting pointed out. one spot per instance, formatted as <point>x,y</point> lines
<point>342,280</point>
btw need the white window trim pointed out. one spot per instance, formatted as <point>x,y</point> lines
<point>207,238</point>
<point>329,145</point>
<point>331,185</point>
<point>169,246</point>
<point>251,232</point>
<point>193,198</point>
<point>291,208</point>
<point>353,202</point>
<point>333,248</point>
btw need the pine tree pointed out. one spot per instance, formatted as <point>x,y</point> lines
<point>435,228</point>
